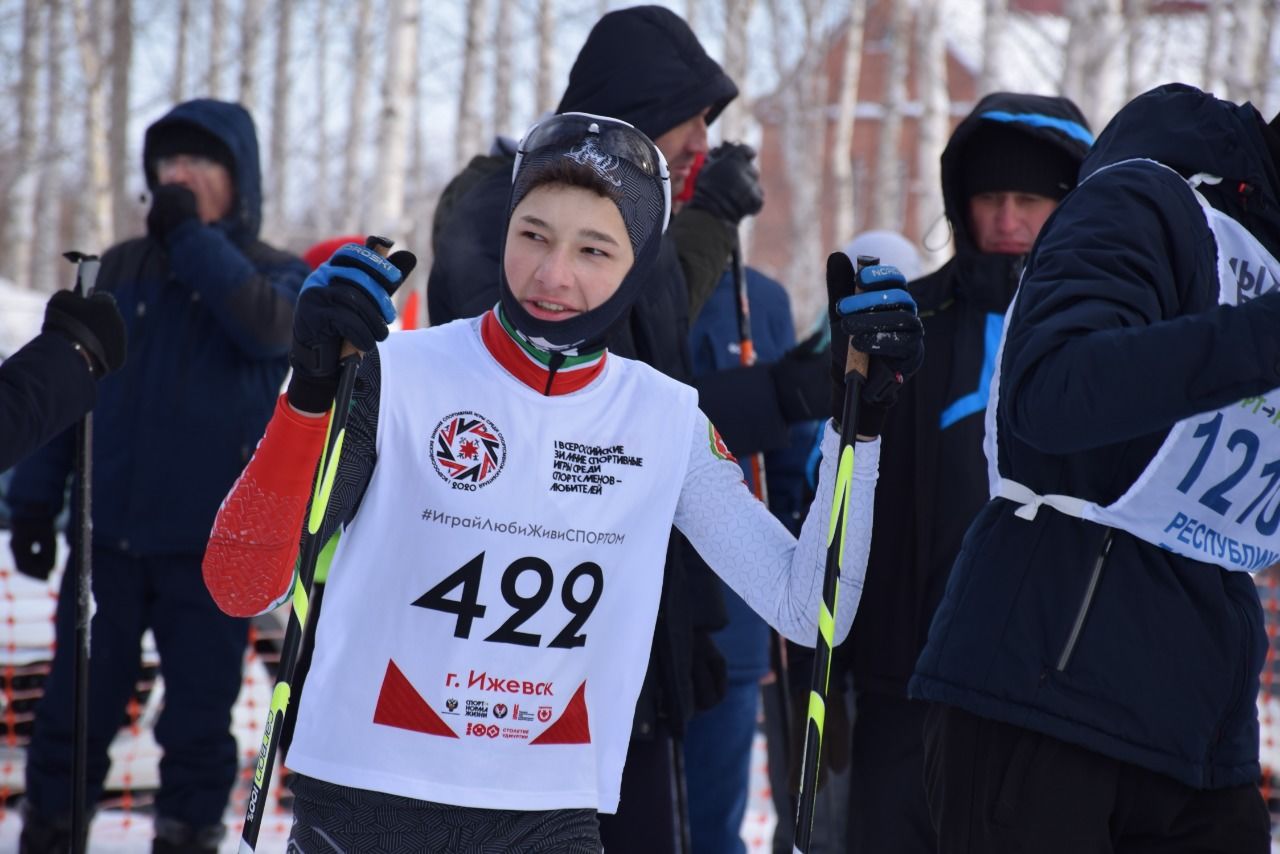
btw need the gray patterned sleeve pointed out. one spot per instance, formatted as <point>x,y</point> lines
<point>778,576</point>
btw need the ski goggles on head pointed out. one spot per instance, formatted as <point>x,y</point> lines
<point>606,136</point>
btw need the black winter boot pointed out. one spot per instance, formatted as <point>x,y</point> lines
<point>177,837</point>
<point>43,835</point>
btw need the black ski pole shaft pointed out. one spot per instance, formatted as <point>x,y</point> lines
<point>755,462</point>
<point>855,374</point>
<point>86,275</point>
<point>308,555</point>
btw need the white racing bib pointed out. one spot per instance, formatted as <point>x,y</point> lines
<point>489,611</point>
<point>1212,490</point>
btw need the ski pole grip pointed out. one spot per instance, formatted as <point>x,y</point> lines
<point>381,245</point>
<point>857,361</point>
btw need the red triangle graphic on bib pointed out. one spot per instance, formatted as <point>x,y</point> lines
<point>399,705</point>
<point>572,726</point>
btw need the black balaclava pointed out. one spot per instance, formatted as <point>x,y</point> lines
<point>639,198</point>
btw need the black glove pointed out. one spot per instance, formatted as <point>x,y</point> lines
<point>886,329</point>
<point>728,186</point>
<point>94,324</point>
<point>347,298</point>
<point>171,206</point>
<point>800,380</point>
<point>33,545</point>
<point>709,672</point>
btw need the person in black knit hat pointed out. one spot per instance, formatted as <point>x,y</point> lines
<point>1004,170</point>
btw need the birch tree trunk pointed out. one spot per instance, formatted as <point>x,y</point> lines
<point>95,202</point>
<point>1135,12</point>
<point>803,133</point>
<point>1213,48</point>
<point>890,175</point>
<point>19,233</point>
<point>351,150</point>
<point>1091,67</point>
<point>543,96</point>
<point>250,28</point>
<point>178,87</point>
<point>468,137</point>
<point>935,104</point>
<point>217,29</point>
<point>737,13</point>
<point>841,151</point>
<point>1266,73</point>
<point>1246,48</point>
<point>122,208</point>
<point>42,275</point>
<point>276,202</point>
<point>993,30</point>
<point>393,127</point>
<point>321,205</point>
<point>502,121</point>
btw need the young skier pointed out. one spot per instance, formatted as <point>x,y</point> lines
<point>505,491</point>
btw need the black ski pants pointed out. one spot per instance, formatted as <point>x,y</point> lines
<point>887,806</point>
<point>994,788</point>
<point>201,660</point>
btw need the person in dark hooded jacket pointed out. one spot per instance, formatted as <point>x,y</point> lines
<point>1003,171</point>
<point>645,66</point>
<point>208,309</point>
<point>1094,663</point>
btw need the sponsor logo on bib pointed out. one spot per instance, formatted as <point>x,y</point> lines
<point>467,450</point>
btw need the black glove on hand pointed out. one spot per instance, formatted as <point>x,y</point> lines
<point>93,323</point>
<point>800,381</point>
<point>348,298</point>
<point>728,186</point>
<point>886,329</point>
<point>171,206</point>
<point>709,672</point>
<point>33,545</point>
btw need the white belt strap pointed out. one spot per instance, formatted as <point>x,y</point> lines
<point>1030,502</point>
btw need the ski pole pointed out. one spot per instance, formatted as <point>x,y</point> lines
<point>755,462</point>
<point>86,275</point>
<point>855,374</point>
<point>747,358</point>
<point>309,553</point>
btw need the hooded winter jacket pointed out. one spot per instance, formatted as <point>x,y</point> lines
<point>934,476</point>
<point>1134,652</point>
<point>209,316</point>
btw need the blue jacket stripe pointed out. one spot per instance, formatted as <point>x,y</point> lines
<point>976,401</point>
<point>1075,130</point>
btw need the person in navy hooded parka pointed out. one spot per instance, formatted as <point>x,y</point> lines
<point>1094,664</point>
<point>209,312</point>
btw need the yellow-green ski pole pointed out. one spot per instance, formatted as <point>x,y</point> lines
<point>855,374</point>
<point>309,553</point>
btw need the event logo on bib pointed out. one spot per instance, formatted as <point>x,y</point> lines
<point>467,450</point>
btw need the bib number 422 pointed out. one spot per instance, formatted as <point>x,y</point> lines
<point>467,609</point>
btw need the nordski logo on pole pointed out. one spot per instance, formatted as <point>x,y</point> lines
<point>467,450</point>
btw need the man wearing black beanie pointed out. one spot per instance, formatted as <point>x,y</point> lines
<point>1004,170</point>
